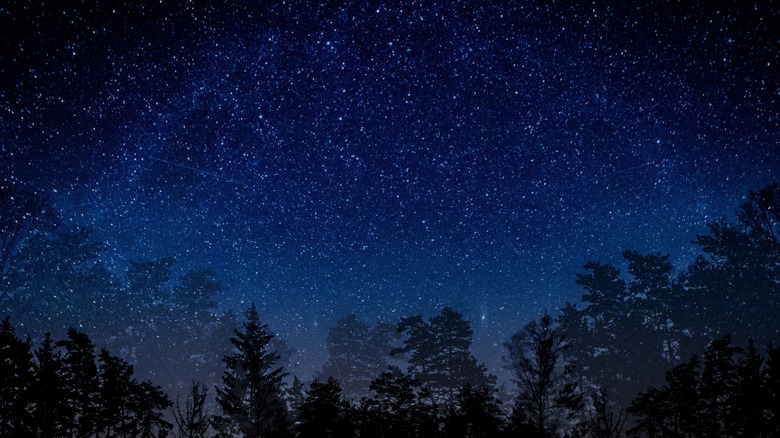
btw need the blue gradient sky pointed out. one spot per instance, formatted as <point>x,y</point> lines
<point>391,158</point>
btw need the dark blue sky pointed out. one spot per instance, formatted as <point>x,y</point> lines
<point>391,158</point>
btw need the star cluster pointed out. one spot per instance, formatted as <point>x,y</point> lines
<point>390,158</point>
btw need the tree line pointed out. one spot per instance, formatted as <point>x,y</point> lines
<point>572,373</point>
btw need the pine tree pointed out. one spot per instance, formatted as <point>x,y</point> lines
<point>16,383</point>
<point>476,414</point>
<point>400,407</point>
<point>294,396</point>
<point>251,397</point>
<point>149,405</point>
<point>51,413</point>
<point>80,379</point>
<point>324,412</point>
<point>115,389</point>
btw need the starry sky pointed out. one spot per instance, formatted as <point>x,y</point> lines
<point>391,158</point>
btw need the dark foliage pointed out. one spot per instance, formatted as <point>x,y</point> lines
<point>251,398</point>
<point>439,354</point>
<point>192,419</point>
<point>66,391</point>
<point>476,414</point>
<point>630,329</point>
<point>324,412</point>
<point>548,394</point>
<point>727,394</point>
<point>399,407</point>
<point>357,354</point>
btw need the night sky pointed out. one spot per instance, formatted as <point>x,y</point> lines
<point>391,158</point>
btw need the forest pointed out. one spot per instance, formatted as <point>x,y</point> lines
<point>656,351</point>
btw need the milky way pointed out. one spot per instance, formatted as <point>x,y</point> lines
<point>391,158</point>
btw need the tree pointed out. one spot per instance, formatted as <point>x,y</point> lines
<point>116,393</point>
<point>51,414</point>
<point>149,403</point>
<point>16,383</point>
<point>728,393</point>
<point>439,354</point>
<point>251,397</point>
<point>294,396</point>
<point>192,420</point>
<point>476,414</point>
<point>772,387</point>
<point>738,283</point>
<point>548,395</point>
<point>324,412</point>
<point>603,420</point>
<point>358,353</point>
<point>628,333</point>
<point>46,277</point>
<point>81,385</point>
<point>400,407</point>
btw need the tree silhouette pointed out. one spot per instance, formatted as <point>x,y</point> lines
<point>603,420</point>
<point>16,383</point>
<point>192,420</point>
<point>51,413</point>
<point>772,387</point>
<point>400,407</point>
<point>47,279</point>
<point>149,404</point>
<point>251,397</point>
<point>547,391</point>
<point>324,412</point>
<point>624,324</point>
<point>476,414</point>
<point>439,354</point>
<point>294,396</point>
<point>80,379</point>
<point>738,285</point>
<point>728,393</point>
<point>358,353</point>
<point>116,383</point>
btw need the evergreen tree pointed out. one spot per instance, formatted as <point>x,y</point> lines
<point>324,412</point>
<point>752,396</point>
<point>116,383</point>
<point>400,407</point>
<point>476,414</point>
<point>294,396</point>
<point>149,405</point>
<point>772,388</point>
<point>673,410</point>
<point>251,396</point>
<point>16,383</point>
<point>628,333</point>
<point>548,394</point>
<point>51,413</point>
<point>439,354</point>
<point>729,393</point>
<point>81,385</point>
